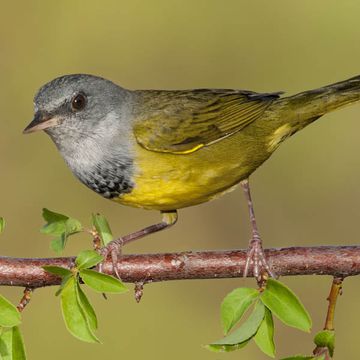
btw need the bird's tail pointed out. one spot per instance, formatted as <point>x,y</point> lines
<point>308,106</point>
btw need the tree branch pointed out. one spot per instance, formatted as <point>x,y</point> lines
<point>340,261</point>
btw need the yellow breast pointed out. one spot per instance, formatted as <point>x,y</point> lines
<point>166,181</point>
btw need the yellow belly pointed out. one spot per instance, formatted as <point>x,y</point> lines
<point>166,181</point>
<point>175,188</point>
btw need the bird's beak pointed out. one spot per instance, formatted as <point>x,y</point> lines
<point>41,121</point>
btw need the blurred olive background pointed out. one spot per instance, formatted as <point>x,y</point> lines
<point>306,194</point>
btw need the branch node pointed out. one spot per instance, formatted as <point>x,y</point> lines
<point>139,290</point>
<point>96,238</point>
<point>25,299</point>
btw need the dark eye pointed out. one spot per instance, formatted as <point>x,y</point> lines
<point>78,102</point>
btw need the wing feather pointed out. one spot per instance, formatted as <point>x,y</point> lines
<point>181,122</point>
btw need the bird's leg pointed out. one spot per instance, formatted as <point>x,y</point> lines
<point>114,248</point>
<point>256,253</point>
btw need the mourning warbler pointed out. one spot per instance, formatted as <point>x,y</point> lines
<point>164,150</point>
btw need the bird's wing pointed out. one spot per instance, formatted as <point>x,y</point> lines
<point>181,122</point>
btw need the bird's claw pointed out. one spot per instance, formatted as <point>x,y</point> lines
<point>256,257</point>
<point>114,250</point>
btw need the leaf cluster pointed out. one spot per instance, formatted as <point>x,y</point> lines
<point>79,315</point>
<point>261,306</point>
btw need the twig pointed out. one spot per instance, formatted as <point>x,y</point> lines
<point>332,298</point>
<point>25,299</point>
<point>335,291</point>
<point>339,261</point>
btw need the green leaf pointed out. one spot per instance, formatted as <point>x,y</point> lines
<point>303,357</point>
<point>12,345</point>
<point>57,270</point>
<point>87,308</point>
<point>285,305</point>
<point>73,226</point>
<point>103,228</point>
<point>74,316</point>
<point>6,344</point>
<point>102,283</point>
<point>18,347</point>
<point>235,304</point>
<point>87,259</point>
<point>63,283</point>
<point>326,338</point>
<point>52,217</point>
<point>55,223</point>
<point>247,330</point>
<point>264,337</point>
<point>226,348</point>
<point>60,226</point>
<point>9,315</point>
<point>2,224</point>
<point>58,244</point>
<point>66,274</point>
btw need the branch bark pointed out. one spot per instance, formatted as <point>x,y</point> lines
<point>339,261</point>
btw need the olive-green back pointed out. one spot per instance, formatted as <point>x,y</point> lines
<point>181,122</point>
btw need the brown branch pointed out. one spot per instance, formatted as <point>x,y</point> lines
<point>339,261</point>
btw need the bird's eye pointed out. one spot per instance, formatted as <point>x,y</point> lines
<point>78,102</point>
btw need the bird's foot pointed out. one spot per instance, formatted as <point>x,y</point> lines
<point>114,250</point>
<point>256,257</point>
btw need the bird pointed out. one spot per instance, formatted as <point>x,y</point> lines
<point>169,149</point>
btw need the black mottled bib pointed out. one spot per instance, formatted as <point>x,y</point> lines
<point>110,180</point>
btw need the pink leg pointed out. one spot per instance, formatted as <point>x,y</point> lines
<point>256,253</point>
<point>114,248</point>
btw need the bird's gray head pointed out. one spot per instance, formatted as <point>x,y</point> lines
<point>73,108</point>
<point>89,119</point>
